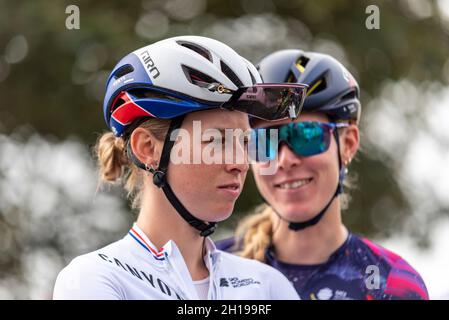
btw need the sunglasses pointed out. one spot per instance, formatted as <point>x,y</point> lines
<point>266,101</point>
<point>269,101</point>
<point>305,139</point>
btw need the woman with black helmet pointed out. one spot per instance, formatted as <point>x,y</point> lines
<point>299,229</point>
<point>167,254</point>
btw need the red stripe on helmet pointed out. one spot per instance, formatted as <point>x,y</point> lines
<point>129,111</point>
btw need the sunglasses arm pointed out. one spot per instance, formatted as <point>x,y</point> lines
<point>214,86</point>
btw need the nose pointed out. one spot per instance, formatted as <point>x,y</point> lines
<point>239,163</point>
<point>287,159</point>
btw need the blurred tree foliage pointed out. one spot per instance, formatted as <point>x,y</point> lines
<point>57,88</point>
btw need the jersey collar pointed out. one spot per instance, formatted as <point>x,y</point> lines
<point>170,248</point>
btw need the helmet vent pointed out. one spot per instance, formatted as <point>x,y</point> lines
<point>350,95</point>
<point>145,93</point>
<point>198,49</point>
<point>302,61</point>
<point>194,75</point>
<point>117,104</point>
<point>253,80</point>
<point>231,75</point>
<point>123,70</point>
<point>300,64</point>
<point>291,78</point>
<point>317,86</point>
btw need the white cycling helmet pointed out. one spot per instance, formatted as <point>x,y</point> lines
<point>183,71</point>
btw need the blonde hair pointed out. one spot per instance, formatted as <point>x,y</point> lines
<point>115,166</point>
<point>255,233</point>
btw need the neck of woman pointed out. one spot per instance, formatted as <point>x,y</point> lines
<point>161,223</point>
<point>312,245</point>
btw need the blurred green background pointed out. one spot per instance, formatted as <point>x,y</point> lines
<point>52,84</point>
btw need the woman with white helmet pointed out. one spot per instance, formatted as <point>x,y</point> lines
<point>150,94</point>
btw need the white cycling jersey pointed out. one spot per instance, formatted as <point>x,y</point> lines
<point>132,268</point>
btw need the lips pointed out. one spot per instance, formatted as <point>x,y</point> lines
<point>293,183</point>
<point>230,186</point>
<point>230,190</point>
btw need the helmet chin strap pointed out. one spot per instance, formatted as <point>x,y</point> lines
<point>297,226</point>
<point>160,180</point>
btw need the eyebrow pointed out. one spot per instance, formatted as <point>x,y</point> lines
<point>223,130</point>
<point>246,133</point>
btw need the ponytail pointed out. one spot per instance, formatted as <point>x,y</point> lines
<point>255,233</point>
<point>115,166</point>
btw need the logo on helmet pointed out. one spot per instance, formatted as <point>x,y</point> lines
<point>346,74</point>
<point>123,80</point>
<point>149,64</point>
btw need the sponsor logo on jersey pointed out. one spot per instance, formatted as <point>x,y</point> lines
<point>236,282</point>
<point>325,294</point>
<point>155,282</point>
<point>224,282</point>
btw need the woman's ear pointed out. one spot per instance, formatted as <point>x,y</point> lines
<point>145,146</point>
<point>349,140</point>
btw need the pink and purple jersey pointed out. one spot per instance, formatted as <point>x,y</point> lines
<point>359,269</point>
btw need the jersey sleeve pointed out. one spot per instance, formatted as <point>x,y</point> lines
<point>83,280</point>
<point>405,283</point>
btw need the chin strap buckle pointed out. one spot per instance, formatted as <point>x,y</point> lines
<point>159,179</point>
<point>208,231</point>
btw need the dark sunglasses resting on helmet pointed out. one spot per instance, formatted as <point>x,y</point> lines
<point>263,101</point>
<point>267,101</point>
<point>305,139</point>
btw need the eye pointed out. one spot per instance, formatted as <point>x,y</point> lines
<point>216,140</point>
<point>211,136</point>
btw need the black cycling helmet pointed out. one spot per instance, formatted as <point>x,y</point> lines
<point>332,90</point>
